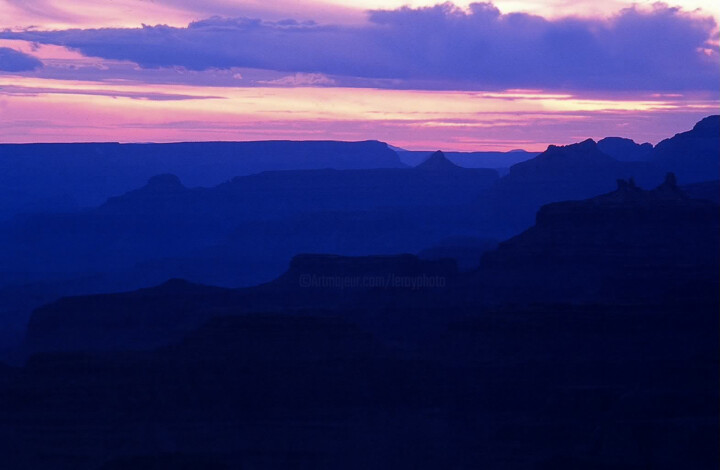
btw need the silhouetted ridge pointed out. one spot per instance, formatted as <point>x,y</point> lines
<point>563,163</point>
<point>708,127</point>
<point>693,155</point>
<point>625,149</point>
<point>628,192</point>
<point>62,177</point>
<point>631,241</point>
<point>630,206</point>
<point>561,173</point>
<point>587,147</point>
<point>437,162</point>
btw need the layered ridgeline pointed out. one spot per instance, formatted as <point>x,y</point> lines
<point>255,220</point>
<point>644,244</point>
<point>629,246</point>
<point>241,232</point>
<point>588,168</point>
<point>626,150</point>
<point>60,177</point>
<point>245,230</point>
<point>692,155</point>
<point>264,219</point>
<point>588,341</point>
<point>157,316</point>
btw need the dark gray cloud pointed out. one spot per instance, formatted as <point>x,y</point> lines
<point>437,47</point>
<point>16,61</point>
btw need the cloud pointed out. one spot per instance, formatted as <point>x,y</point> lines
<point>301,79</point>
<point>63,14</point>
<point>659,49</point>
<point>136,95</point>
<point>16,61</point>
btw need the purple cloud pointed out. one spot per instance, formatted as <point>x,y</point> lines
<point>16,61</point>
<point>436,47</point>
<point>137,95</point>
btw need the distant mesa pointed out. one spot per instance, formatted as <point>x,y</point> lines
<point>573,171</point>
<point>41,177</point>
<point>563,161</point>
<point>561,173</point>
<point>580,148</point>
<point>625,150</point>
<point>438,162</point>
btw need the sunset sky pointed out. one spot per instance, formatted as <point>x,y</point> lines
<point>482,76</point>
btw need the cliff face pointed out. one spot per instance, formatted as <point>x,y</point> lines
<point>693,155</point>
<point>586,169</point>
<point>625,149</point>
<point>642,243</point>
<point>563,173</point>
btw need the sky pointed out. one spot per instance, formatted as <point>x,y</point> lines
<point>417,74</point>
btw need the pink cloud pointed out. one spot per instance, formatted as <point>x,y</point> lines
<point>52,111</point>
